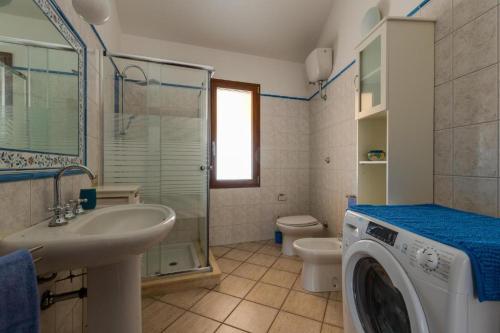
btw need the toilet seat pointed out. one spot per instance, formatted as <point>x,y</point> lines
<point>297,221</point>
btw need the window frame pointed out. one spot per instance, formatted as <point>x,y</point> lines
<point>255,90</point>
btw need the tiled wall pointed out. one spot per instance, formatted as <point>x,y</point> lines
<point>333,137</point>
<point>466,118</point>
<point>238,215</point>
<point>25,203</point>
<point>466,104</point>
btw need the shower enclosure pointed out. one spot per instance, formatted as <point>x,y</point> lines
<point>156,134</point>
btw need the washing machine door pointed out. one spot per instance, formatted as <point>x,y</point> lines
<point>380,297</point>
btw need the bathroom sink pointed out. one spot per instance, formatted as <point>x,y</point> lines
<point>109,243</point>
<point>98,238</point>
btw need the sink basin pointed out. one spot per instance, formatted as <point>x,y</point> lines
<point>98,238</point>
<point>109,243</point>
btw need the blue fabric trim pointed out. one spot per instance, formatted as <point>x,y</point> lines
<point>477,235</point>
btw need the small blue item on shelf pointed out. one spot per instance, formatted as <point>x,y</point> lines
<point>278,237</point>
<point>19,302</point>
<point>91,195</point>
<point>477,235</point>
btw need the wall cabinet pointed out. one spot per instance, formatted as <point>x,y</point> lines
<point>395,112</point>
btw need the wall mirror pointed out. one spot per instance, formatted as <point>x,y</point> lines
<point>42,87</point>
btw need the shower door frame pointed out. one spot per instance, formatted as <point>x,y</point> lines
<point>210,71</point>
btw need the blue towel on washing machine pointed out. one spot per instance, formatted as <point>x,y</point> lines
<point>477,235</point>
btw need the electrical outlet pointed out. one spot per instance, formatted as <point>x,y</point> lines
<point>281,197</point>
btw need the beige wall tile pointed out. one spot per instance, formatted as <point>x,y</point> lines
<point>475,150</point>
<point>443,104</point>
<point>42,198</point>
<point>465,11</point>
<point>441,11</point>
<point>443,60</point>
<point>443,190</point>
<point>15,206</point>
<point>475,44</point>
<point>475,97</point>
<point>474,194</point>
<point>443,152</point>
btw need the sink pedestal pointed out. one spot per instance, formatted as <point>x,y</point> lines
<point>114,297</point>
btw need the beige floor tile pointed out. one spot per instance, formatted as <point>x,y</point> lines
<point>250,246</point>
<point>336,296</point>
<point>331,329</point>
<point>267,294</point>
<point>290,323</point>
<point>306,305</point>
<point>297,258</point>
<point>228,329</point>
<point>271,250</point>
<point>334,314</point>
<point>236,254</point>
<point>192,323</point>
<point>299,287</point>
<point>250,271</point>
<point>227,265</point>
<point>215,305</point>
<point>219,251</point>
<point>279,278</point>
<point>262,259</point>
<point>235,286</point>
<point>252,317</point>
<point>157,316</point>
<point>184,299</point>
<point>146,301</point>
<point>288,265</point>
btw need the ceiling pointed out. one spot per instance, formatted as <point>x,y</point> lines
<point>26,8</point>
<point>281,29</point>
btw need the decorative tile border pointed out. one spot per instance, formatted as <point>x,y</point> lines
<point>17,160</point>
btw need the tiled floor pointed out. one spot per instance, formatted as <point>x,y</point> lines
<point>261,291</point>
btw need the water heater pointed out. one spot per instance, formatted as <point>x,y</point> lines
<point>319,65</point>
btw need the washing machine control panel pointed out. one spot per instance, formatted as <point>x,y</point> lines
<point>433,261</point>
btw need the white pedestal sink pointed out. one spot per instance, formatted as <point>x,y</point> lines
<point>109,242</point>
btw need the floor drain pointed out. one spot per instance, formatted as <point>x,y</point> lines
<point>173,263</point>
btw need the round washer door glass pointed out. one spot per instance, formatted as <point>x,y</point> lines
<point>381,307</point>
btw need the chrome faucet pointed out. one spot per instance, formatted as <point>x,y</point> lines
<point>64,212</point>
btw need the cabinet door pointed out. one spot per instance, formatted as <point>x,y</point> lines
<point>371,78</point>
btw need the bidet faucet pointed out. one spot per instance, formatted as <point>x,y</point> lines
<point>59,209</point>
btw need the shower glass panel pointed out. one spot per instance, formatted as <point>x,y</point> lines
<point>156,135</point>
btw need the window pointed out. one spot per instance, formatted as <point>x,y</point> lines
<point>235,134</point>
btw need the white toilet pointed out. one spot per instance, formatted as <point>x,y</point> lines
<point>295,227</point>
<point>322,269</point>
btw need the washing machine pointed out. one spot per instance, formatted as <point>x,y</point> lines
<point>396,281</point>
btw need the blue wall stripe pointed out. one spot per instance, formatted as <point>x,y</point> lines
<point>285,97</point>
<point>38,70</point>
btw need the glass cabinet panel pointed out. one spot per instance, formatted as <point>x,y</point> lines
<point>370,64</point>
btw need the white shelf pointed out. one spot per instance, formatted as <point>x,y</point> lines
<point>372,162</point>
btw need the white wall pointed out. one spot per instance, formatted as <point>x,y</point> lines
<point>342,31</point>
<point>275,76</point>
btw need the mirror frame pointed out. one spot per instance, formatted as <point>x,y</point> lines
<point>24,160</point>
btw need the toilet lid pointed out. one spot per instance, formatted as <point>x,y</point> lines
<point>298,220</point>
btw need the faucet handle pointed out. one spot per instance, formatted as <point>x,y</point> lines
<point>78,205</point>
<point>58,218</point>
<point>68,211</point>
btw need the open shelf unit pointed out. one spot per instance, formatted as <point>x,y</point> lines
<point>394,112</point>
